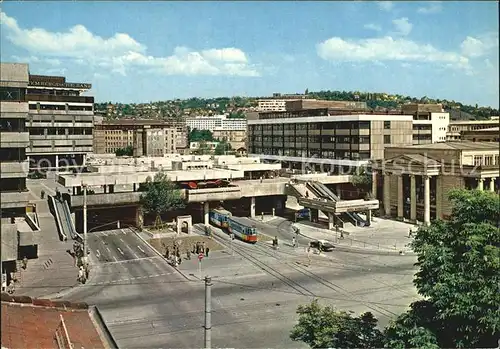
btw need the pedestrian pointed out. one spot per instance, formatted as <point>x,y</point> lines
<point>188,254</point>
<point>25,263</point>
<point>193,248</point>
<point>167,252</point>
<point>294,242</point>
<point>42,194</point>
<point>307,194</point>
<point>197,247</point>
<point>203,248</point>
<point>206,251</point>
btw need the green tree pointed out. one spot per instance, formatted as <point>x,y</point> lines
<point>127,151</point>
<point>196,135</point>
<point>160,195</point>
<point>324,327</point>
<point>223,148</point>
<point>362,179</point>
<point>459,278</point>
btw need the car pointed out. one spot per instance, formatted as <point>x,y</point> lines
<point>325,245</point>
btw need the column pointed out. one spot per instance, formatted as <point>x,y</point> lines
<point>84,159</point>
<point>427,200</point>
<point>206,209</point>
<point>57,162</point>
<point>111,188</point>
<point>330,221</point>
<point>105,189</point>
<point>439,198</point>
<point>134,187</point>
<point>492,184</point>
<point>400,197</point>
<point>413,199</point>
<point>387,194</point>
<point>480,184</point>
<point>374,184</point>
<point>368,217</point>
<point>252,207</point>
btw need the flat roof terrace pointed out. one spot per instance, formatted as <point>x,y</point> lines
<point>128,178</point>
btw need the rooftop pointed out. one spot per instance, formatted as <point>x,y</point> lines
<point>35,323</point>
<point>489,129</point>
<point>463,145</point>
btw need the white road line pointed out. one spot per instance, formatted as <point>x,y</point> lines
<point>131,260</point>
<point>107,248</point>
<point>122,240</point>
<point>140,248</point>
<point>124,232</point>
<point>97,253</point>
<point>105,234</point>
<point>119,250</point>
<point>116,260</point>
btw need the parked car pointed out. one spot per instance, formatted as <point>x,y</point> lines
<point>323,244</point>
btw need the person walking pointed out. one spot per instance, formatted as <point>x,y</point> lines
<point>206,251</point>
<point>167,252</point>
<point>294,242</point>
<point>188,254</point>
<point>42,194</point>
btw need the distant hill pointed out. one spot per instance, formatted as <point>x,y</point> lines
<point>236,105</point>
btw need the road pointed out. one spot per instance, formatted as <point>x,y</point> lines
<point>148,304</point>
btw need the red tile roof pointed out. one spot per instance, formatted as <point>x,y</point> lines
<point>32,323</point>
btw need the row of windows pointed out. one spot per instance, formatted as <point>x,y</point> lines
<point>312,139</point>
<point>40,131</point>
<point>324,154</point>
<point>343,125</point>
<point>39,106</point>
<point>487,160</point>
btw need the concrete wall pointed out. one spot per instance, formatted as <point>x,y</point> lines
<point>401,133</point>
<point>449,183</point>
<point>9,242</point>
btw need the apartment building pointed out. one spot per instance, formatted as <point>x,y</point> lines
<point>14,139</point>
<point>60,122</point>
<point>111,135</point>
<point>430,122</point>
<point>414,182</point>
<point>154,141</point>
<point>236,138</point>
<point>216,122</point>
<point>485,135</point>
<point>277,102</point>
<point>326,136</point>
<point>456,128</point>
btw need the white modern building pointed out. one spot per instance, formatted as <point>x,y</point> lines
<point>217,122</point>
<point>430,122</point>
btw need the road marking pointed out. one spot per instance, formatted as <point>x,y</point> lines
<point>105,234</point>
<point>116,260</point>
<point>122,240</point>
<point>132,260</point>
<point>140,248</point>
<point>107,248</point>
<point>119,250</point>
<point>124,232</point>
<point>97,253</point>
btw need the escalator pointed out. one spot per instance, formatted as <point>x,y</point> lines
<point>326,193</point>
<point>63,216</point>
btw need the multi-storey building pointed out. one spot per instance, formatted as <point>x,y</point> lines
<point>306,103</point>
<point>456,128</point>
<point>154,141</point>
<point>484,135</point>
<point>112,135</point>
<point>430,122</point>
<point>414,182</point>
<point>14,139</point>
<point>219,122</point>
<point>326,136</point>
<point>60,122</point>
<point>277,102</point>
<point>236,138</point>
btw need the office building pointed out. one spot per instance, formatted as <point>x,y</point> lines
<point>60,122</point>
<point>456,128</point>
<point>430,122</point>
<point>326,136</point>
<point>14,139</point>
<point>413,182</point>
<point>111,135</point>
<point>277,102</point>
<point>217,122</point>
<point>154,141</point>
<point>484,135</point>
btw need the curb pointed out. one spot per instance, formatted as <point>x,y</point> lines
<point>162,257</point>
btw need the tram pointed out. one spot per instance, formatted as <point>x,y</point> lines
<point>219,217</point>
<point>243,228</point>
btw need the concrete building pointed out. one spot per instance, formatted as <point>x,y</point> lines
<point>209,146</point>
<point>300,104</point>
<point>430,122</point>
<point>484,135</point>
<point>111,135</point>
<point>456,128</point>
<point>60,122</point>
<point>277,102</point>
<point>216,122</point>
<point>237,138</point>
<point>154,141</point>
<point>413,182</point>
<point>14,139</point>
<point>326,136</point>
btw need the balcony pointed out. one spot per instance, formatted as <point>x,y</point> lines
<point>14,199</point>
<point>14,169</point>
<point>213,194</point>
<point>14,139</point>
<point>65,99</point>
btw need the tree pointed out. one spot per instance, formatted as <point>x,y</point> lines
<point>223,148</point>
<point>160,195</point>
<point>362,179</point>
<point>196,135</point>
<point>127,151</point>
<point>203,149</point>
<point>459,278</point>
<point>324,327</point>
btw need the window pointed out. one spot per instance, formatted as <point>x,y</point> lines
<point>478,159</point>
<point>488,160</point>
<point>387,125</point>
<point>387,139</point>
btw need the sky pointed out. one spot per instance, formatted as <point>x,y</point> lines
<point>133,52</point>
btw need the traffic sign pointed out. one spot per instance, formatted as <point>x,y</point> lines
<point>200,256</point>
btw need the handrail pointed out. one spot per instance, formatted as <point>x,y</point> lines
<point>58,218</point>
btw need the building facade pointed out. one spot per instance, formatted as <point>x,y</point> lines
<point>484,135</point>
<point>154,142</point>
<point>430,122</point>
<point>14,139</point>
<point>236,138</point>
<point>60,122</point>
<point>413,183</point>
<point>111,135</point>
<point>326,136</point>
<point>277,102</point>
<point>217,122</point>
<point>456,128</point>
